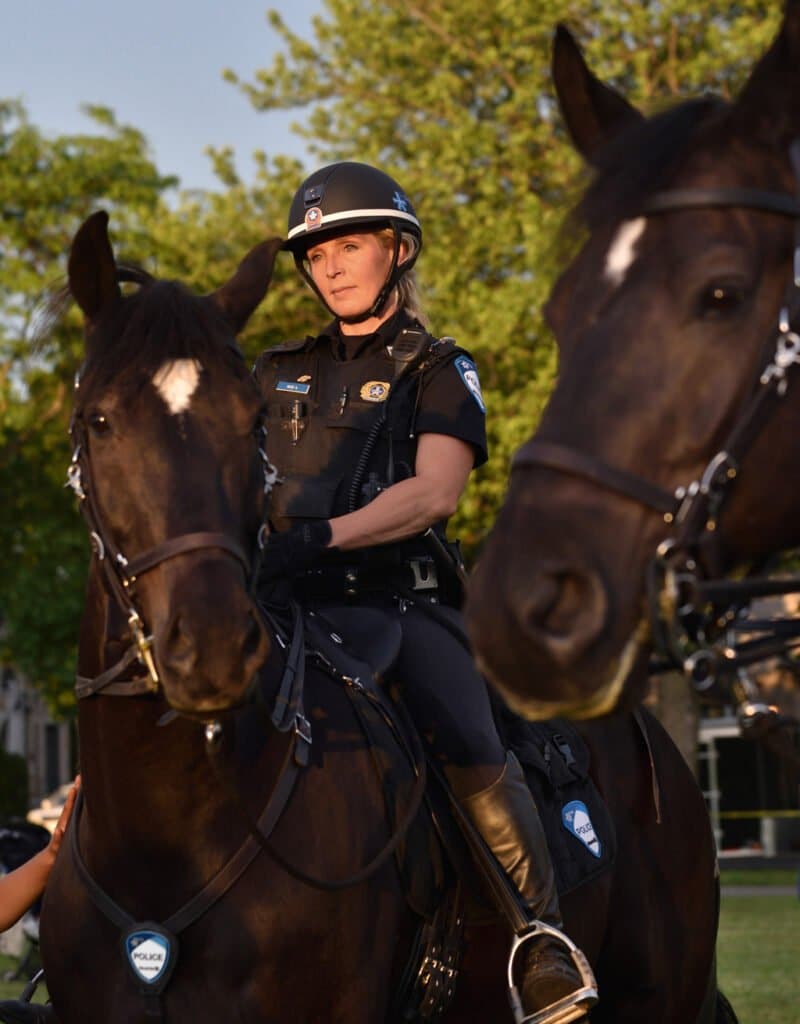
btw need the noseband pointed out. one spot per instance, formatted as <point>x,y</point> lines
<point>684,629</point>
<point>121,573</point>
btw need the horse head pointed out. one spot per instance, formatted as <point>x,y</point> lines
<point>666,439</point>
<point>170,471</point>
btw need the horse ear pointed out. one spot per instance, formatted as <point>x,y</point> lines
<point>91,268</point>
<point>239,297</point>
<point>769,104</point>
<point>594,112</point>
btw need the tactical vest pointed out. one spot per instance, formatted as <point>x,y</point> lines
<point>333,431</point>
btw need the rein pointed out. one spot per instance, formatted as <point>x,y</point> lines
<point>689,613</point>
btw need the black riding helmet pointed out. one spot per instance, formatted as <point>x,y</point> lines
<point>347,196</point>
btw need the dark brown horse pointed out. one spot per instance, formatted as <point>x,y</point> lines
<point>667,453</point>
<point>169,469</point>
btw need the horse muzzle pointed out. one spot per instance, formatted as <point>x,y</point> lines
<point>208,652</point>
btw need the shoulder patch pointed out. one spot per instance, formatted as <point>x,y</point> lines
<point>469,374</point>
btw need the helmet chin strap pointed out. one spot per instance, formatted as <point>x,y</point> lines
<point>392,278</point>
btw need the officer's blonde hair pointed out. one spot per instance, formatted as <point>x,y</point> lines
<point>408,296</point>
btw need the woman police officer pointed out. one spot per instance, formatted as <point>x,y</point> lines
<point>375,427</point>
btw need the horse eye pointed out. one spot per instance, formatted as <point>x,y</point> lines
<point>98,423</point>
<point>721,299</point>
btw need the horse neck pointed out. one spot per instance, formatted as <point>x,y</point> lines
<point>141,778</point>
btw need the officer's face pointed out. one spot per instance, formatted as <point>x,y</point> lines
<point>350,271</point>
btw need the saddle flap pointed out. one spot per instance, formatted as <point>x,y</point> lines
<point>351,636</point>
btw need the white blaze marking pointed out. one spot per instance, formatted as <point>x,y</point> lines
<point>176,381</point>
<point>623,250</point>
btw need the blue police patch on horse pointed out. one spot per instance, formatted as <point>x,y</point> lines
<point>151,952</point>
<point>575,819</point>
<point>469,374</point>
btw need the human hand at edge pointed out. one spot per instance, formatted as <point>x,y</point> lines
<point>63,819</point>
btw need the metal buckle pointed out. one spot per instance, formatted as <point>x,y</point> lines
<point>74,480</point>
<point>351,582</point>
<point>425,576</point>
<point>303,740</point>
<point>144,644</point>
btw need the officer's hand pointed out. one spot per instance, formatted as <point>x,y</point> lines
<point>293,551</point>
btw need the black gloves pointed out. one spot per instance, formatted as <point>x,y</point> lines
<point>293,551</point>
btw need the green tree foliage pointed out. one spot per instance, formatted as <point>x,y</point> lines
<point>204,235</point>
<point>453,97</point>
<point>47,187</point>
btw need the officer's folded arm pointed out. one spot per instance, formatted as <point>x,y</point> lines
<point>407,508</point>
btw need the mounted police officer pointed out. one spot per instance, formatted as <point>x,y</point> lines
<point>375,426</point>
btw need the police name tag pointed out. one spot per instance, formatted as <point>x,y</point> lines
<point>296,387</point>
<point>151,953</point>
<point>575,819</point>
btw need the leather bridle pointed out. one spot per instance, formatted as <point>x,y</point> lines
<point>121,572</point>
<point>689,613</point>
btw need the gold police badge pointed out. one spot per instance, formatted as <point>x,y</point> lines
<point>375,391</point>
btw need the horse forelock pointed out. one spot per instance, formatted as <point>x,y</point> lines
<point>642,160</point>
<point>159,325</point>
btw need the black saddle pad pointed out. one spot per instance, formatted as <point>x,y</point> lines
<point>578,825</point>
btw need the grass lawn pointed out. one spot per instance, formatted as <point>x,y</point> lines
<point>759,876</point>
<point>759,956</point>
<point>13,989</point>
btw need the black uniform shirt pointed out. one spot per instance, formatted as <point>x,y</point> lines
<point>325,400</point>
<point>449,400</point>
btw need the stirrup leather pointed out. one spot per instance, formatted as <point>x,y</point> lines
<point>571,1007</point>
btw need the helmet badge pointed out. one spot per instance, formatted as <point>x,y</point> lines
<point>400,201</point>
<point>313,218</point>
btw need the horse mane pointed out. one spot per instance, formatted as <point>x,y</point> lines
<point>642,160</point>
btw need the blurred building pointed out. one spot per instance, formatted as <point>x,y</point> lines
<point>752,783</point>
<point>27,728</point>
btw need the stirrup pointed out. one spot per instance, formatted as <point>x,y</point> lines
<point>571,1007</point>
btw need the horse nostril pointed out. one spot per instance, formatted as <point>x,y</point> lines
<point>179,648</point>
<point>565,611</point>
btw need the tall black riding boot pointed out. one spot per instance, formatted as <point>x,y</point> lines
<point>506,817</point>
